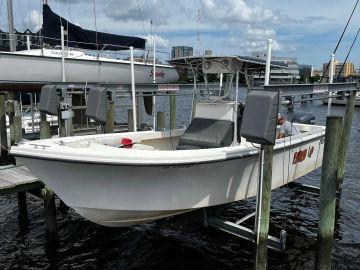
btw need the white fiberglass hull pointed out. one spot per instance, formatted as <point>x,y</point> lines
<point>27,67</point>
<point>126,194</point>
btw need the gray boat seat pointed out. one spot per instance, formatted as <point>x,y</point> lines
<point>207,133</point>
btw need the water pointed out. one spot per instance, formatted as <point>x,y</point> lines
<point>172,244</point>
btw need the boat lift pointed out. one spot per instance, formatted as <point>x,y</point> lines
<point>218,65</point>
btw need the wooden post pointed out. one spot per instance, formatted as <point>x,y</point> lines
<point>11,113</point>
<point>345,136</point>
<point>172,112</point>
<point>17,129</point>
<point>110,117</point>
<point>328,192</point>
<point>130,120</point>
<point>45,130</point>
<point>263,228</point>
<point>62,128</point>
<point>23,213</point>
<point>160,121</point>
<point>3,132</point>
<point>50,213</point>
<point>43,116</point>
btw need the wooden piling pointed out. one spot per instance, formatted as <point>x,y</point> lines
<point>15,123</point>
<point>10,110</point>
<point>50,212</point>
<point>263,228</point>
<point>172,112</point>
<point>17,132</point>
<point>110,117</point>
<point>45,130</point>
<point>345,136</point>
<point>23,213</point>
<point>160,121</point>
<point>130,120</point>
<point>3,131</point>
<point>62,127</point>
<point>42,116</point>
<point>328,192</point>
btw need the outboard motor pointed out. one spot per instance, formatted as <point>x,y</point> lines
<point>303,118</point>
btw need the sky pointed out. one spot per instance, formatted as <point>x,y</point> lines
<point>307,29</point>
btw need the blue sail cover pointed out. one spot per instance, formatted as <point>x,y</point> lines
<point>82,38</point>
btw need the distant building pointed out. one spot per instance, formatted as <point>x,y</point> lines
<point>181,51</point>
<point>305,72</point>
<point>279,76</point>
<point>317,72</point>
<point>347,70</point>
<point>21,40</point>
<point>208,52</point>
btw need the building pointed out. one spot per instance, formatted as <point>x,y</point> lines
<point>279,76</point>
<point>305,72</point>
<point>21,40</point>
<point>345,70</point>
<point>317,72</point>
<point>181,51</point>
<point>208,52</point>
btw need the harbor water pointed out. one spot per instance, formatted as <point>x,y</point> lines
<point>183,242</point>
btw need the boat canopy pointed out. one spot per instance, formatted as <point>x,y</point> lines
<point>230,63</point>
<point>82,38</point>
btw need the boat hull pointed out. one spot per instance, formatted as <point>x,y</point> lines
<point>125,195</point>
<point>22,67</point>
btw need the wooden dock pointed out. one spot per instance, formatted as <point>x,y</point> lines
<point>14,179</point>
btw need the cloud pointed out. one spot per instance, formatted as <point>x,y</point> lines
<point>34,19</point>
<point>124,10</point>
<point>160,42</point>
<point>237,11</point>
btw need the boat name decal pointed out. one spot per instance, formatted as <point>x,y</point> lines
<point>158,74</point>
<point>320,89</point>
<point>300,156</point>
<point>168,87</point>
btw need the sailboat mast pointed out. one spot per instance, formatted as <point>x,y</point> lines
<point>11,26</point>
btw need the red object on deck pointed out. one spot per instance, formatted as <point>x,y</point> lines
<point>127,143</point>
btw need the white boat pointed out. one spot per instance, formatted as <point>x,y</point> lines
<point>164,173</point>
<point>41,65</point>
<point>118,187</point>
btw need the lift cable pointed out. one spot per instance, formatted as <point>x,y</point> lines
<point>347,56</point>
<point>342,35</point>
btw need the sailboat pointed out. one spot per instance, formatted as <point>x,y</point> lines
<point>45,64</point>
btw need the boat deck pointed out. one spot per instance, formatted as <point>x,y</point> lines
<point>16,179</point>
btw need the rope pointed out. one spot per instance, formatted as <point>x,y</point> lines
<point>342,35</point>
<point>347,56</point>
<point>96,31</point>
<point>140,16</point>
<point>3,147</point>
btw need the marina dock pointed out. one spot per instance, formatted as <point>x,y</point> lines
<point>15,179</point>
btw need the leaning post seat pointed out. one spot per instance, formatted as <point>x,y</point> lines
<point>212,127</point>
<point>207,133</point>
